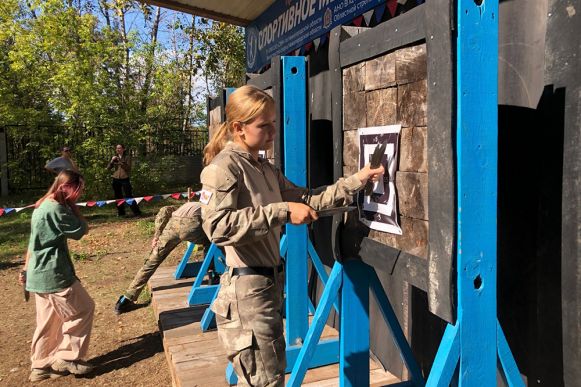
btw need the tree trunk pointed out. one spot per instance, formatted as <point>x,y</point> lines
<point>190,75</point>
<point>150,62</point>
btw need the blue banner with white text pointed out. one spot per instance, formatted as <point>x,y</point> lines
<point>289,24</point>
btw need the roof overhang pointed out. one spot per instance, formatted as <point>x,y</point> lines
<point>238,12</point>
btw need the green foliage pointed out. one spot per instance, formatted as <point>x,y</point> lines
<point>146,227</point>
<point>221,53</point>
<point>81,67</point>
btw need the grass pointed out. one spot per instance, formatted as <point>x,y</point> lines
<point>15,227</point>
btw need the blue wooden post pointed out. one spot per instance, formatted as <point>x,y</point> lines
<point>474,341</point>
<point>354,359</point>
<point>295,161</point>
<point>477,140</point>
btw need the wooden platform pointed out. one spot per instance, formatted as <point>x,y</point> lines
<point>196,358</point>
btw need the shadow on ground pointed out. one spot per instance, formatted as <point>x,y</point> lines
<point>143,347</point>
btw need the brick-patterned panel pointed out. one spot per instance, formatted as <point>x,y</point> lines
<point>411,64</point>
<point>380,72</point>
<point>412,193</point>
<point>413,149</point>
<point>381,107</point>
<point>354,109</point>
<point>354,79</point>
<point>412,104</point>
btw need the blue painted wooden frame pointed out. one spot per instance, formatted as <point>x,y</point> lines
<point>203,294</point>
<point>353,279</point>
<point>297,244</point>
<point>294,116</point>
<point>476,341</point>
<point>185,268</point>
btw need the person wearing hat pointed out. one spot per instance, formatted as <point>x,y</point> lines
<point>64,162</point>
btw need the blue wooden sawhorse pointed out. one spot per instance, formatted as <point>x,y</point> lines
<point>202,294</point>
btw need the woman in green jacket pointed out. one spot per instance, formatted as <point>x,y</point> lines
<point>64,309</point>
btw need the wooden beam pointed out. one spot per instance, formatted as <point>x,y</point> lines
<point>197,11</point>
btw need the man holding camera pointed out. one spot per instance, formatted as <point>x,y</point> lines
<point>121,163</point>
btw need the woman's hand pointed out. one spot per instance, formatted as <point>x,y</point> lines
<point>154,242</point>
<point>301,213</point>
<point>366,173</point>
<point>22,277</point>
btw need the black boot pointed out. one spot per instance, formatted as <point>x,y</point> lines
<point>123,305</point>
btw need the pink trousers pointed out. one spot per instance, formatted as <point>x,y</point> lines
<point>63,326</point>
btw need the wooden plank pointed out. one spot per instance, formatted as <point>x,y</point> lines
<point>413,156</point>
<point>381,107</point>
<point>412,191</point>
<point>562,70</point>
<point>397,32</point>
<point>412,106</point>
<point>200,11</point>
<point>380,72</point>
<point>354,79</point>
<point>410,64</point>
<point>275,68</point>
<point>262,81</point>
<point>196,358</point>
<point>442,170</point>
<point>354,115</point>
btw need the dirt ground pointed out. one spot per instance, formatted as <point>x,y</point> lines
<point>126,350</point>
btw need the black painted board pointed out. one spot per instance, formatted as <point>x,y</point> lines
<point>214,102</point>
<point>276,84</point>
<point>262,81</point>
<point>563,70</point>
<point>441,159</point>
<point>380,339</point>
<point>407,267</point>
<point>397,32</point>
<point>337,118</point>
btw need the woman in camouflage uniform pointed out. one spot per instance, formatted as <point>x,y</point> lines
<point>172,227</point>
<point>246,202</point>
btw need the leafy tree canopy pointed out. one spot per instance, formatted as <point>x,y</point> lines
<point>108,71</point>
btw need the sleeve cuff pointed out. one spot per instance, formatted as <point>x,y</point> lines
<point>281,212</point>
<point>353,183</point>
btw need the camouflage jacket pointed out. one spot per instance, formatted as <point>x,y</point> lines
<point>245,205</point>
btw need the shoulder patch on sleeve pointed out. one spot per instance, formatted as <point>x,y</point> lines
<point>205,196</point>
<point>218,178</point>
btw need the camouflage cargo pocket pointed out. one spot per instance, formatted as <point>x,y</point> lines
<point>274,359</point>
<point>238,343</point>
<point>221,307</point>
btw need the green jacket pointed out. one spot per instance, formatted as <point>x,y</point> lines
<point>50,268</point>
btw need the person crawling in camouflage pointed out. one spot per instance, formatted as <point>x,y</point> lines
<point>172,226</point>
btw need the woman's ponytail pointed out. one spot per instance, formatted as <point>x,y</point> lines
<point>217,142</point>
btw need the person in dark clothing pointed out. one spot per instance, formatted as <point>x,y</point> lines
<point>121,163</point>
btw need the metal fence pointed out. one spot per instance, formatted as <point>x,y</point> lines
<point>28,148</point>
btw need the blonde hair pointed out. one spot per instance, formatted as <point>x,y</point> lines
<point>244,105</point>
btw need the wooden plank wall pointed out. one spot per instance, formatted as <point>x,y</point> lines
<point>392,89</point>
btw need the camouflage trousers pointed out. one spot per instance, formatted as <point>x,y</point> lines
<point>176,231</point>
<point>248,316</point>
